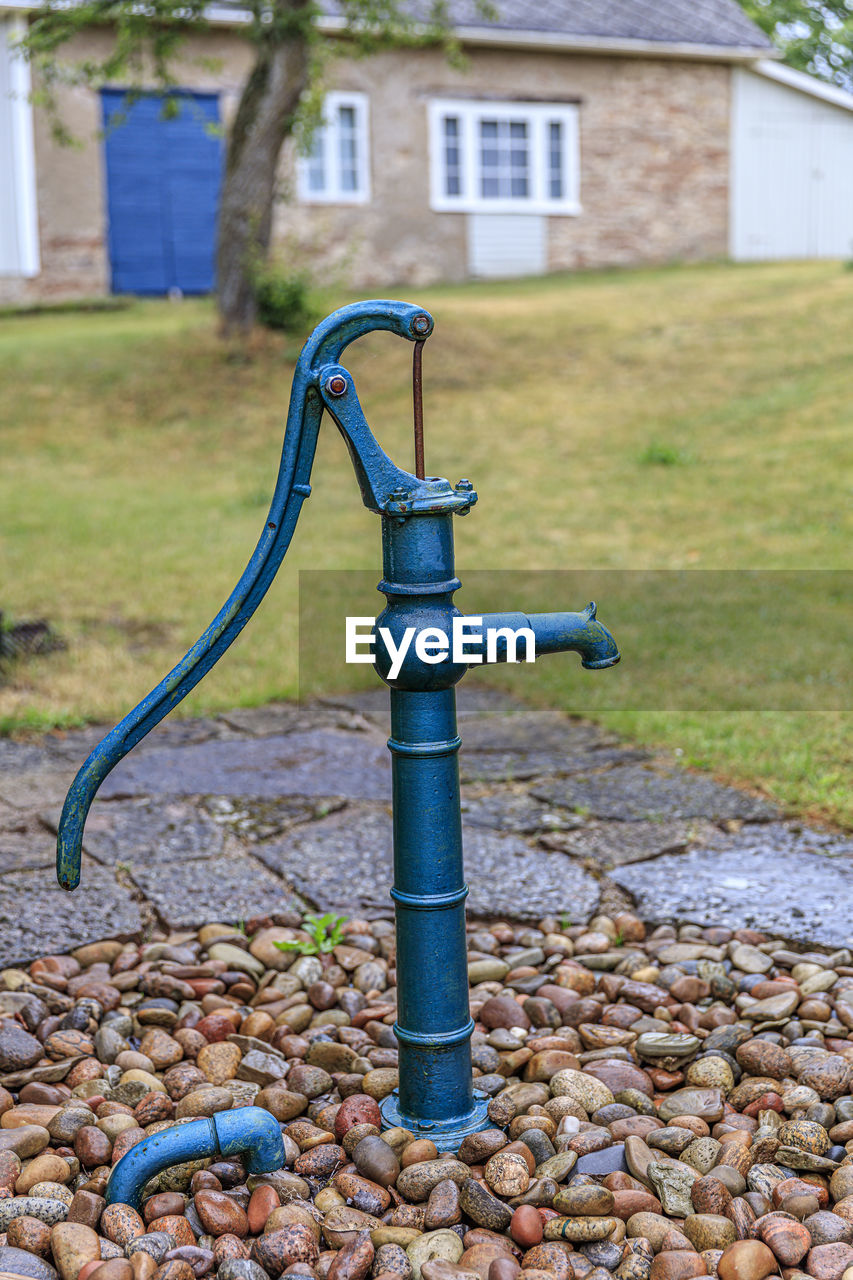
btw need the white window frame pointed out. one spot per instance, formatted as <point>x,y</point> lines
<point>538,116</point>
<point>334,192</point>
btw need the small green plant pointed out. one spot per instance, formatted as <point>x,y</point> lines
<point>657,454</point>
<point>326,932</point>
<point>566,921</point>
<point>618,938</point>
<point>283,299</point>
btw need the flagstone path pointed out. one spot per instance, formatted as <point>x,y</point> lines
<point>287,808</point>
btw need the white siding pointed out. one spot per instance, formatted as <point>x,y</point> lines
<point>792,172</point>
<point>507,244</point>
<point>19,250</point>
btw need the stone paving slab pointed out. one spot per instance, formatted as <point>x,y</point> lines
<point>344,861</point>
<point>255,818</point>
<point>798,884</point>
<point>37,917</point>
<point>290,717</point>
<point>232,887</point>
<point>516,766</point>
<point>615,844</point>
<point>516,811</point>
<point>525,730</point>
<point>305,763</point>
<point>633,793</point>
<point>160,832</point>
<point>26,845</point>
<point>43,787</point>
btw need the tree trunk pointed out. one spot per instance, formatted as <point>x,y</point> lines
<point>264,119</point>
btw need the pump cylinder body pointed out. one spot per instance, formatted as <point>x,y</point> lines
<point>436,1095</point>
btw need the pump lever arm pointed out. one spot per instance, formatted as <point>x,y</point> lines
<point>322,350</point>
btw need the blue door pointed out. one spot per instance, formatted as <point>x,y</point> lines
<point>163,180</point>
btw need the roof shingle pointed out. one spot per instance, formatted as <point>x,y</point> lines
<point>716,23</point>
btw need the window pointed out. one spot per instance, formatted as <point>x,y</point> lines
<point>504,157</point>
<point>336,169</point>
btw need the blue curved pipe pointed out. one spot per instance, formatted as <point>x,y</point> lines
<point>247,1131</point>
<point>323,348</point>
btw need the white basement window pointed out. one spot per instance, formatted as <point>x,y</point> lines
<point>336,170</point>
<point>504,157</point>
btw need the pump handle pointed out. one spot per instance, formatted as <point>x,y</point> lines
<point>323,348</point>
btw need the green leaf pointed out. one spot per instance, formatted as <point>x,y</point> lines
<point>815,36</point>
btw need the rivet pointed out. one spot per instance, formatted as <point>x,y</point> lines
<point>336,385</point>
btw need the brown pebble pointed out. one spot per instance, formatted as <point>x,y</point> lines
<point>504,1269</point>
<point>30,1234</point>
<point>418,1151</point>
<point>92,1147</point>
<point>790,1241</point>
<point>113,1269</point>
<point>86,1207</point>
<point>677,1264</point>
<point>176,1225</point>
<point>479,1258</point>
<point>746,1260</point>
<point>143,1265</point>
<point>278,1249</point>
<point>828,1261</point>
<point>220,1215</point>
<point>548,1257</point>
<point>526,1227</point>
<point>73,1245</point>
<point>358,1108</point>
<point>121,1224</point>
<point>354,1260</point>
<point>175,1269</point>
<point>163,1204</point>
<point>263,1200</point>
<point>442,1209</point>
<point>229,1247</point>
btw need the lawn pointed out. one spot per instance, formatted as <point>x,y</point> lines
<point>673,421</point>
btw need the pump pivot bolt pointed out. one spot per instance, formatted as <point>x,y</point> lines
<point>336,385</point>
<point>464,486</point>
<point>421,324</point>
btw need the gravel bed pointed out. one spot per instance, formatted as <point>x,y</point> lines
<point>664,1103</point>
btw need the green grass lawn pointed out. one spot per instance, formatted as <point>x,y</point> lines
<point>682,419</point>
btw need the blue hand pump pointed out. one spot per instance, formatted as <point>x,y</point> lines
<point>436,1095</point>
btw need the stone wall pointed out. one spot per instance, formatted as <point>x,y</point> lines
<point>654,167</point>
<point>654,138</point>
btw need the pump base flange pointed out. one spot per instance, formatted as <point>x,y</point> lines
<point>446,1134</point>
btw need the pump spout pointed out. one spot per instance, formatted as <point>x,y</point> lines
<point>554,633</point>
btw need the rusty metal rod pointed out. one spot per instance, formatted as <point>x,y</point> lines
<point>418,399</point>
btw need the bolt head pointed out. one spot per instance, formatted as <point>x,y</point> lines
<point>464,486</point>
<point>421,324</point>
<point>336,385</point>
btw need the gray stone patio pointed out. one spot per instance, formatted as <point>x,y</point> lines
<point>288,808</point>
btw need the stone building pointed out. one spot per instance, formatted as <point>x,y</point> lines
<point>576,134</point>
